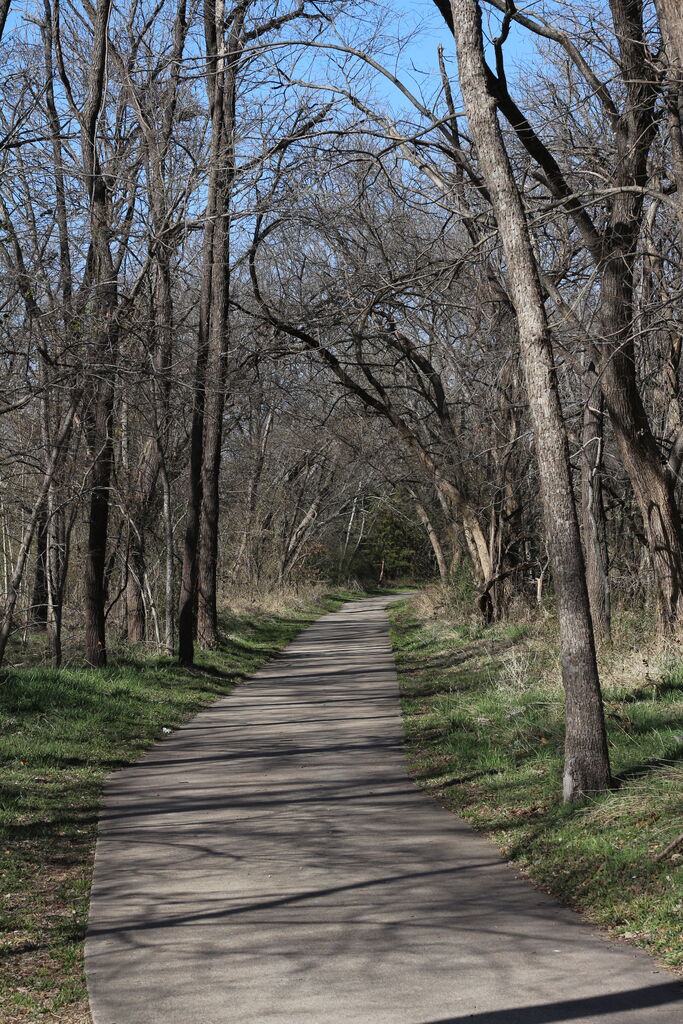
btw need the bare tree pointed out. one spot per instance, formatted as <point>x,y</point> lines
<point>586,759</point>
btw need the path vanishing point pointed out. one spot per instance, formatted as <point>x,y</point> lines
<point>272,863</point>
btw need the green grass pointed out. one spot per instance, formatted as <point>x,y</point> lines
<point>483,714</point>
<point>61,732</point>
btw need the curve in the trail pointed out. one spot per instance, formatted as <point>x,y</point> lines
<point>272,863</point>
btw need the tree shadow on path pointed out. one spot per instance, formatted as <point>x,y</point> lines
<point>580,1009</point>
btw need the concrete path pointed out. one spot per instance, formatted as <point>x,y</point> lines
<point>271,863</point>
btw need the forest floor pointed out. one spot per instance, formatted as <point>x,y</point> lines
<point>61,732</point>
<point>483,714</point>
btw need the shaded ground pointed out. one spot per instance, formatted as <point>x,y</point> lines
<point>60,734</point>
<point>272,862</point>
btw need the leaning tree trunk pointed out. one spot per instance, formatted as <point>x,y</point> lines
<point>586,768</point>
<point>593,508</point>
<point>614,251</point>
<point>653,484</point>
<point>434,540</point>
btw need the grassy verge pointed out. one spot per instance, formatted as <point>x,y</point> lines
<point>61,732</point>
<point>483,716</point>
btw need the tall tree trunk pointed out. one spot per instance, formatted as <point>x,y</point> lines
<point>100,441</point>
<point>223,115</point>
<point>188,582</point>
<point>143,502</point>
<point>201,532</point>
<point>56,563</point>
<point>613,252</point>
<point>57,546</point>
<point>164,311</point>
<point>207,613</point>
<point>169,574</point>
<point>586,768</point>
<point>102,353</point>
<point>38,610</point>
<point>593,508</point>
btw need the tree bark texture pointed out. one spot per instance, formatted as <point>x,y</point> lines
<point>593,508</point>
<point>198,588</point>
<point>143,503</point>
<point>188,581</point>
<point>38,609</point>
<point>136,614</point>
<point>223,121</point>
<point>586,767</point>
<point>613,251</point>
<point>57,565</point>
<point>671,21</point>
<point>103,353</point>
<point>653,484</point>
<point>423,516</point>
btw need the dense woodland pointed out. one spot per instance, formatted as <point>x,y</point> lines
<point>278,304</point>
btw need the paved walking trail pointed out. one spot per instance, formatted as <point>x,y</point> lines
<point>271,863</point>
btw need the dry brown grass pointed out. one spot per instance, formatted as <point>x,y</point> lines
<point>245,601</point>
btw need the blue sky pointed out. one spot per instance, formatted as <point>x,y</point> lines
<point>418,22</point>
<point>424,15</point>
<point>418,60</point>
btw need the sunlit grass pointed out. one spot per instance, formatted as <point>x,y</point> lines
<point>61,732</point>
<point>483,713</point>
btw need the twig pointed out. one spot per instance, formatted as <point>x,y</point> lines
<point>670,848</point>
